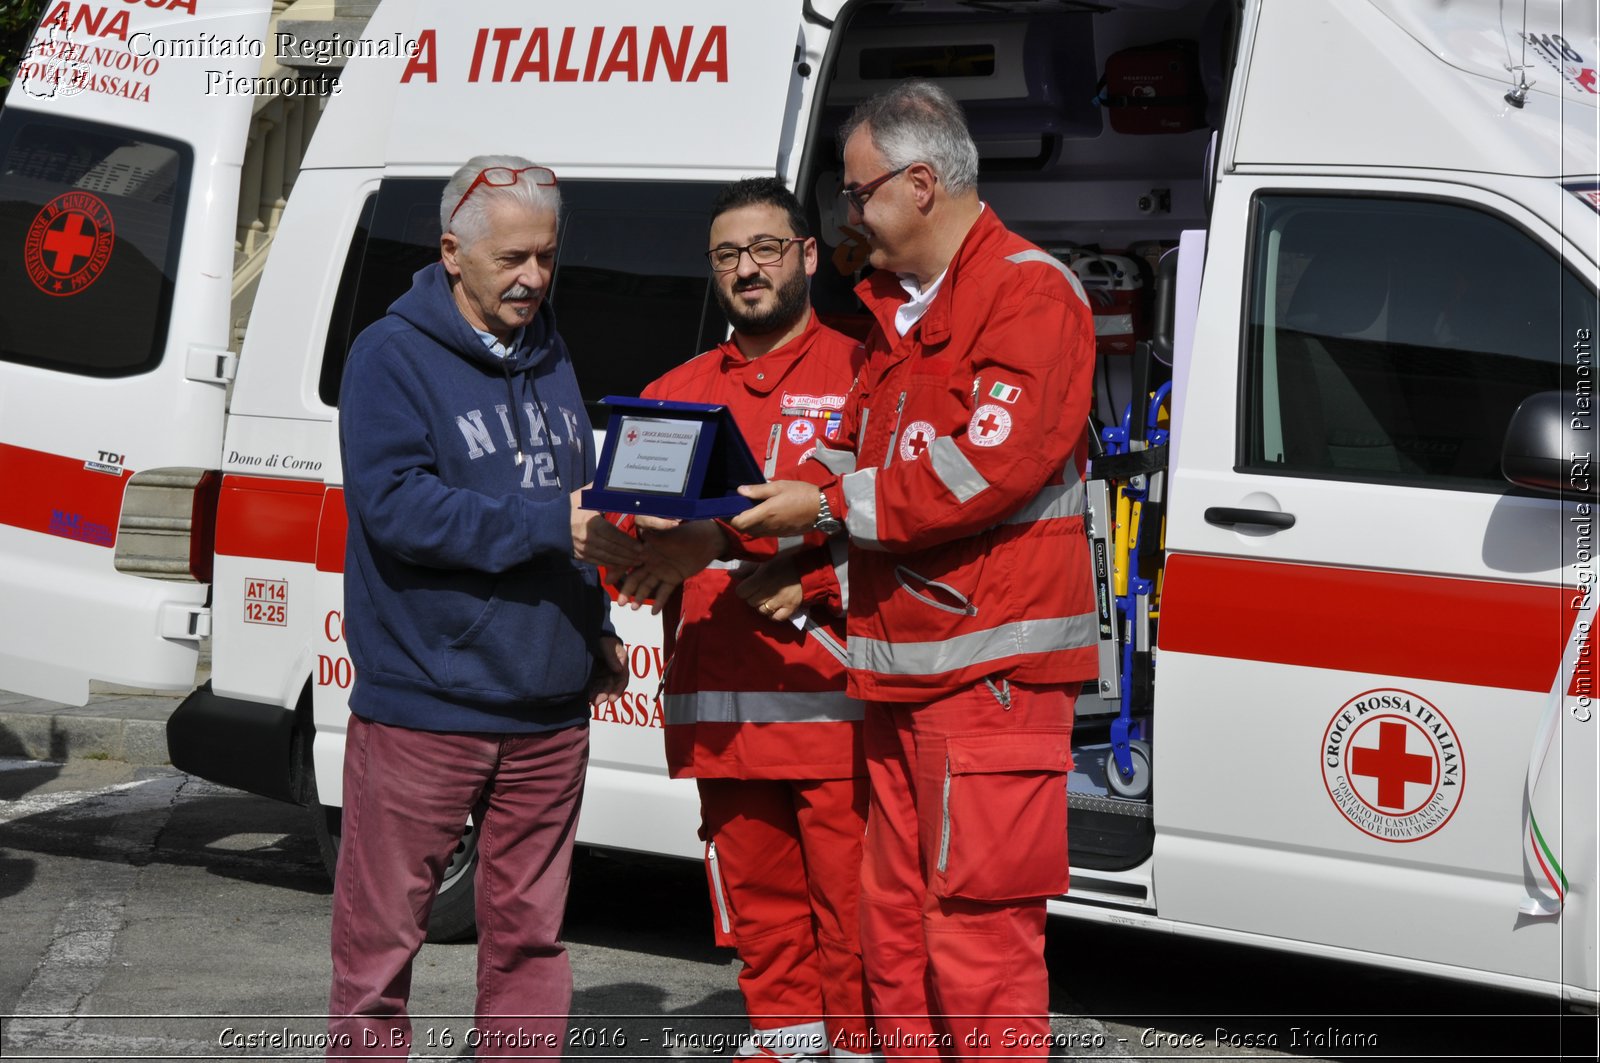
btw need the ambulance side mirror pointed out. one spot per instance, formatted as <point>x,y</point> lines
<point>1543,449</point>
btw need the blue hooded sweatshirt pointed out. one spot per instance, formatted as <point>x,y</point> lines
<point>464,608</point>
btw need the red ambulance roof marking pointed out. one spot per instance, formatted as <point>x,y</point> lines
<point>57,495</point>
<point>562,53</point>
<point>1478,632</point>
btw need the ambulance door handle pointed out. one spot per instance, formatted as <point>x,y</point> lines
<point>1228,516</point>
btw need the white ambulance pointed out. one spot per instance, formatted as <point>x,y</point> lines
<point>1347,698</point>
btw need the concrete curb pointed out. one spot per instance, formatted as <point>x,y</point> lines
<point>142,743</point>
<point>127,726</point>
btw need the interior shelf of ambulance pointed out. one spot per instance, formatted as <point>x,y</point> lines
<point>1093,122</point>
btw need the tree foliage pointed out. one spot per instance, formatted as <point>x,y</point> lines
<point>17,18</point>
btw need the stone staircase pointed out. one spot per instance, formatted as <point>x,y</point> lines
<point>153,534</point>
<point>349,20</point>
<point>280,133</point>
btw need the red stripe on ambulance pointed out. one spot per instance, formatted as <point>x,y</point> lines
<point>331,532</point>
<point>1476,632</point>
<point>269,518</point>
<point>57,495</point>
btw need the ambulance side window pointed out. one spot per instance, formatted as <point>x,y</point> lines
<point>397,234</point>
<point>1390,340</point>
<point>631,293</point>
<point>92,220</point>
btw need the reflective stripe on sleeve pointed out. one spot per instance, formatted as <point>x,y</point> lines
<point>763,706</point>
<point>839,552</point>
<point>1053,502</point>
<point>1055,263</point>
<point>977,647</point>
<point>861,507</point>
<point>958,475</point>
<point>837,462</point>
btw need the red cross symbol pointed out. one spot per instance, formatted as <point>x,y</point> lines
<point>918,443</point>
<point>1391,765</point>
<point>1586,79</point>
<point>632,437</point>
<point>989,423</point>
<point>69,243</point>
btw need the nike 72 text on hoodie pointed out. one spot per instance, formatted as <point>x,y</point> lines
<point>464,608</point>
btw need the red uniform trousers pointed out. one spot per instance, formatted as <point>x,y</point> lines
<point>407,795</point>
<point>966,837</point>
<point>785,861</point>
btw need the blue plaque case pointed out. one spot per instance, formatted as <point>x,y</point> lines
<point>721,463</point>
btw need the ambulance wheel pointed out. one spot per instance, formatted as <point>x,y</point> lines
<point>455,914</point>
<point>1139,785</point>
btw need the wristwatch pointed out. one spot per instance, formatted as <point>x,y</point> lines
<point>826,523</point>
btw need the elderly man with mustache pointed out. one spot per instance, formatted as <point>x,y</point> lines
<point>475,620</point>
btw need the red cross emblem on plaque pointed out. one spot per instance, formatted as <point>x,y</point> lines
<point>632,436</point>
<point>1391,765</point>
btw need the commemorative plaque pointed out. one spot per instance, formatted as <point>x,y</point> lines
<point>684,460</point>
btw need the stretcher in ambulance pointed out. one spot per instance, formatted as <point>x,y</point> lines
<point>1342,502</point>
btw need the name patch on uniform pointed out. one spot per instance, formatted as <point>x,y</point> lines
<point>797,405</point>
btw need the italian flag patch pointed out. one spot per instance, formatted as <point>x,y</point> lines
<point>1005,392</point>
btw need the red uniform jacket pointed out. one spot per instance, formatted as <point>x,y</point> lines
<point>959,475</point>
<point>749,697</point>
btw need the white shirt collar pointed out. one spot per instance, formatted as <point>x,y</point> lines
<point>911,311</point>
<point>498,349</point>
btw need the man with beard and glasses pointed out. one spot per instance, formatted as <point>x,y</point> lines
<point>475,619</point>
<point>755,704</point>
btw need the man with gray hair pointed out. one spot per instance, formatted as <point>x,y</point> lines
<point>475,620</point>
<point>958,477</point>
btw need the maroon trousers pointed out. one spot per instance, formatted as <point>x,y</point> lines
<point>407,796</point>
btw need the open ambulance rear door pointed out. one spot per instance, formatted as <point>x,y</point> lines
<point>120,151</point>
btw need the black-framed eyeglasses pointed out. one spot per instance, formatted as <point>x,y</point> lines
<point>767,252</point>
<point>505,177</point>
<point>857,197</point>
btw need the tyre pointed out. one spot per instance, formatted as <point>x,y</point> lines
<point>454,915</point>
